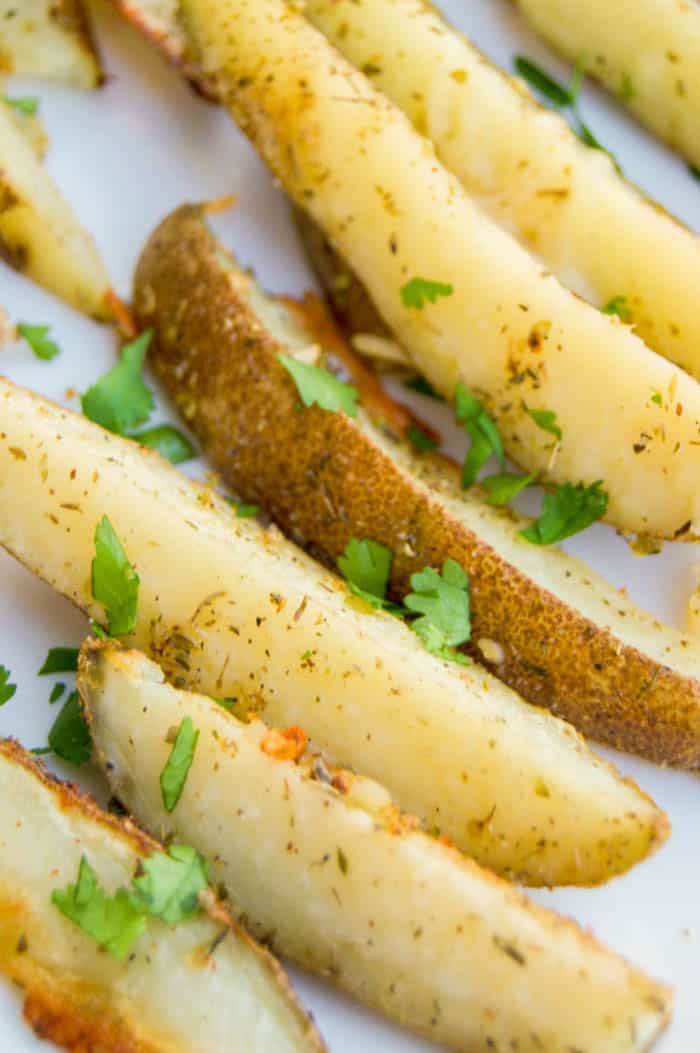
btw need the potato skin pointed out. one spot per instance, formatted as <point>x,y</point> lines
<point>324,480</point>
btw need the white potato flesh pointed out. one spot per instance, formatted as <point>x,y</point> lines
<point>235,610</point>
<point>40,234</point>
<point>527,169</point>
<point>48,38</point>
<point>646,51</point>
<point>508,330</point>
<point>202,986</point>
<point>348,888</point>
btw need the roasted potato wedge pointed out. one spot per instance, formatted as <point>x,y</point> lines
<point>203,986</point>
<point>345,885</point>
<point>526,167</point>
<point>234,610</point>
<point>647,53</point>
<point>48,38</point>
<point>500,323</point>
<point>39,232</point>
<point>548,625</point>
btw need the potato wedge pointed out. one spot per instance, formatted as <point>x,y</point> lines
<point>234,610</point>
<point>527,168</point>
<point>203,986</point>
<point>507,328</point>
<point>48,38</point>
<point>39,233</point>
<point>550,626</point>
<point>346,886</point>
<point>647,53</point>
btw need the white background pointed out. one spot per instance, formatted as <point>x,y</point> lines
<point>126,155</point>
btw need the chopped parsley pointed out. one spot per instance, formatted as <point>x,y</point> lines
<point>7,690</point>
<point>120,400</point>
<point>420,440</point>
<point>443,605</point>
<point>168,441</point>
<point>567,511</point>
<point>69,737</point>
<point>694,171</point>
<point>366,566</point>
<point>421,385</point>
<point>504,487</point>
<point>27,104</point>
<point>546,420</point>
<point>38,339</point>
<point>316,386</point>
<point>419,291</point>
<point>174,775</point>
<point>618,306</point>
<point>60,660</point>
<point>57,692</point>
<point>114,922</point>
<point>482,431</point>
<point>244,511</point>
<point>170,884</point>
<point>657,398</point>
<point>115,583</point>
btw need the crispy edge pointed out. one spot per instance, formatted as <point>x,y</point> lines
<point>324,481</point>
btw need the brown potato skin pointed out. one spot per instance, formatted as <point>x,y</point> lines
<point>325,481</point>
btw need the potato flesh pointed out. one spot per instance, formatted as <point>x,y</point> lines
<point>348,890</point>
<point>45,38</point>
<point>39,233</point>
<point>527,169</point>
<point>169,996</point>
<point>234,610</point>
<point>509,331</point>
<point>646,51</point>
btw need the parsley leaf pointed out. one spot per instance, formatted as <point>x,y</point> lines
<point>28,104</point>
<point>37,338</point>
<point>443,603</point>
<point>567,511</point>
<point>244,511</point>
<point>694,171</point>
<point>483,433</point>
<point>171,882</point>
<point>618,306</point>
<point>174,775</point>
<point>60,660</point>
<point>7,690</point>
<point>120,400</point>
<point>168,441</point>
<point>366,566</point>
<point>503,488</point>
<point>421,385</point>
<point>657,398</point>
<point>114,922</point>
<point>57,691</point>
<point>420,291</point>
<point>546,420</point>
<point>316,386</point>
<point>115,583</point>
<point>69,737</point>
<point>542,83</point>
<point>420,440</point>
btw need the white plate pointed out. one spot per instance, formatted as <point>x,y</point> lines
<point>125,156</point>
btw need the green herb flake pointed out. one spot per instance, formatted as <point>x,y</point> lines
<point>504,487</point>
<point>419,291</point>
<point>443,603</point>
<point>567,511</point>
<point>421,441</point>
<point>542,83</point>
<point>421,385</point>
<point>121,400</point>
<point>618,306</point>
<point>243,511</point>
<point>694,171</point>
<point>7,690</point>
<point>114,922</point>
<point>69,737</point>
<point>225,703</point>
<point>115,583</point>
<point>168,441</point>
<point>485,440</point>
<point>316,386</point>
<point>171,883</point>
<point>546,420</point>
<point>657,398</point>
<point>366,565</point>
<point>37,338</point>
<point>57,692</point>
<point>60,660</point>
<point>174,775</point>
<point>26,104</point>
